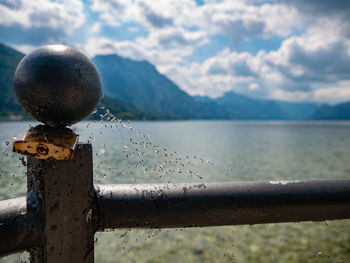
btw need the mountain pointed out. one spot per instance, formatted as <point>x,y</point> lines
<point>140,85</point>
<point>298,111</point>
<point>337,112</point>
<point>119,110</point>
<point>136,90</point>
<point>10,108</point>
<point>202,99</point>
<point>9,59</point>
<point>242,107</point>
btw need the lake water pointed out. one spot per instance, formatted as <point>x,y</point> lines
<point>208,151</point>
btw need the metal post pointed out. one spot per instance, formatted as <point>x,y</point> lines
<point>58,86</point>
<point>65,189</point>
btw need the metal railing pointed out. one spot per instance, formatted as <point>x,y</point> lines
<point>58,218</point>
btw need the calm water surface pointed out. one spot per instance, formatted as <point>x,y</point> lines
<point>208,151</point>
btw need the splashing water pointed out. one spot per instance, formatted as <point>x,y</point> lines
<point>138,156</point>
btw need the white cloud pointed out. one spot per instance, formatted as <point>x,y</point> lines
<point>171,38</point>
<point>319,54</point>
<point>106,46</point>
<point>96,28</point>
<point>238,20</point>
<point>63,15</point>
<point>114,12</point>
<point>133,29</point>
<point>25,49</point>
<point>294,96</point>
<point>334,94</point>
<point>311,63</point>
<point>151,14</point>
<point>254,86</point>
<point>309,67</point>
<point>138,51</point>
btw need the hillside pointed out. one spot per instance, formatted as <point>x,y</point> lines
<point>140,85</point>
<point>136,90</point>
<point>337,112</point>
<point>9,59</point>
<point>119,110</point>
<point>242,107</point>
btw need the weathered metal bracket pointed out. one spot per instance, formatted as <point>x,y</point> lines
<point>45,142</point>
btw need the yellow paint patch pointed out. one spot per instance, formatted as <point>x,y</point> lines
<point>45,142</point>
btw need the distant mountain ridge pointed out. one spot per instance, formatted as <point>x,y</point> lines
<point>336,112</point>
<point>9,58</point>
<point>10,108</point>
<point>242,107</point>
<point>140,85</point>
<point>136,90</point>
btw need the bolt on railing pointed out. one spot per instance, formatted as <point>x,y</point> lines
<point>62,210</point>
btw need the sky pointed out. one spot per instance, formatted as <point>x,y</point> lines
<point>292,50</point>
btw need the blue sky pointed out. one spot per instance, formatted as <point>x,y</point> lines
<point>289,50</point>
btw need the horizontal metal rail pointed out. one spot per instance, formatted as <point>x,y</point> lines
<point>186,205</point>
<point>217,204</point>
<point>20,226</point>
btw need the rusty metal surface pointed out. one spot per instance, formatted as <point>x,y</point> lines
<point>57,85</point>
<point>217,204</point>
<point>67,192</point>
<point>45,142</point>
<point>19,225</point>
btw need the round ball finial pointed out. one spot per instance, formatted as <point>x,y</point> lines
<point>57,85</point>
